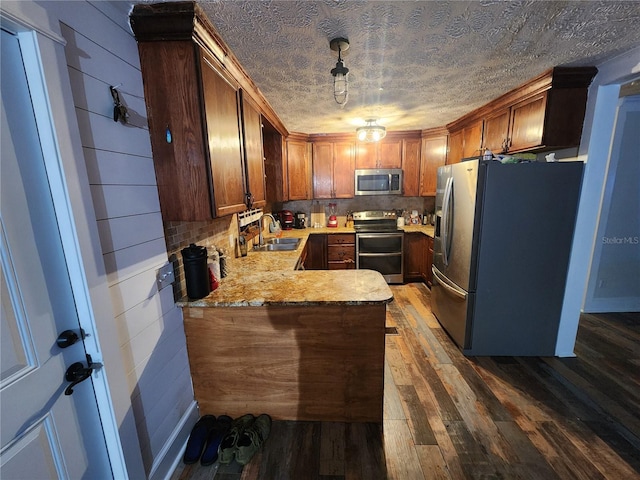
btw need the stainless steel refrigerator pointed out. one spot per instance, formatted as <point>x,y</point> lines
<point>502,243</point>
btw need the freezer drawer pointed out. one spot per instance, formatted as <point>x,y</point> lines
<point>452,308</point>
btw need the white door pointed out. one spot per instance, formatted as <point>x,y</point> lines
<point>45,433</point>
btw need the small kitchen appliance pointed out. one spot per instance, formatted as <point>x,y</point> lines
<point>382,181</point>
<point>333,218</point>
<point>286,219</point>
<point>196,272</point>
<point>300,220</point>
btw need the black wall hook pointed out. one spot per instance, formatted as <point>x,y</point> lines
<point>119,110</point>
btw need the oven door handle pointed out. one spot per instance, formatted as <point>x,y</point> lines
<point>379,235</point>
<point>380,254</point>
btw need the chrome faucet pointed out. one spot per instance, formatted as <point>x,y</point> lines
<point>273,222</point>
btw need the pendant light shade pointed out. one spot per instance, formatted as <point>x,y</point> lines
<point>340,72</point>
<point>371,132</point>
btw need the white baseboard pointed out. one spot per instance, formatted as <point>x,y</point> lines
<point>610,305</point>
<point>171,454</point>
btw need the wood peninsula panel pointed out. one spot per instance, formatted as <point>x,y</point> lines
<point>314,363</point>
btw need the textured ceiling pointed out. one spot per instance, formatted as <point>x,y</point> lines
<point>413,64</point>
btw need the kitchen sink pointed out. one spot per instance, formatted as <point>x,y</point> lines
<point>278,245</point>
<point>283,241</point>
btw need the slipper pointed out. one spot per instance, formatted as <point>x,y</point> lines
<point>219,430</point>
<point>198,439</point>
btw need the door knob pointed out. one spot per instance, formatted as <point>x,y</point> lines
<point>67,338</point>
<point>77,373</point>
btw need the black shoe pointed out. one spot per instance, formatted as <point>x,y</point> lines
<point>198,439</point>
<point>219,430</point>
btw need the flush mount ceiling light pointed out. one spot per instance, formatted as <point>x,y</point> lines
<point>340,72</point>
<point>371,132</point>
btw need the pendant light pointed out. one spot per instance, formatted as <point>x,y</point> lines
<point>340,72</point>
<point>371,132</point>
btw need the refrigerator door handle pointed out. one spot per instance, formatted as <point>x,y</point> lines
<point>452,289</point>
<point>446,214</point>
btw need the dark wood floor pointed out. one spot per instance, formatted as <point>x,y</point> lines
<point>451,417</point>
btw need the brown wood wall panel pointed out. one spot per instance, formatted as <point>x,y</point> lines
<point>294,363</point>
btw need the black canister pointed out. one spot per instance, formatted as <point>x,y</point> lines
<point>196,272</point>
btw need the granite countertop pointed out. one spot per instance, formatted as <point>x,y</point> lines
<point>270,278</point>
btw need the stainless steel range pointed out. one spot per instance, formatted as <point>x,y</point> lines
<point>379,243</point>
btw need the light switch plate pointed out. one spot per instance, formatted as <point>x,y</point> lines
<point>165,276</point>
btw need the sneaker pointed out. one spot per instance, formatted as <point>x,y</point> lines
<point>217,433</point>
<point>252,438</point>
<point>198,438</point>
<point>227,449</point>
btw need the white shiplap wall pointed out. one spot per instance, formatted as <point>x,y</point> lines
<point>100,52</point>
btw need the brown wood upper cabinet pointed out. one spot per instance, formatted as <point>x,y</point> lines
<point>207,150</point>
<point>222,121</point>
<point>546,113</point>
<point>298,169</point>
<point>333,169</point>
<point>434,155</point>
<point>386,153</point>
<point>465,142</point>
<point>411,166</point>
<point>253,151</point>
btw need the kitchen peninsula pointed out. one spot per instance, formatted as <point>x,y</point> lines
<point>298,345</point>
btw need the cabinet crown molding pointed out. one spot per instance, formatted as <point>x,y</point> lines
<point>554,78</point>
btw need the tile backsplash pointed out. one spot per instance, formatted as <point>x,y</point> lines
<point>220,232</point>
<point>369,202</point>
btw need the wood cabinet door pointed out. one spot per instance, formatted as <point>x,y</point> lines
<point>316,252</point>
<point>433,155</point>
<point>343,170</point>
<point>429,274</point>
<point>221,106</point>
<point>496,131</point>
<point>322,170</point>
<point>366,155</point>
<point>182,171</point>
<point>454,154</point>
<point>253,151</point>
<point>411,167</point>
<point>527,123</point>
<point>298,170</point>
<point>472,141</point>
<point>415,256</point>
<point>390,154</point>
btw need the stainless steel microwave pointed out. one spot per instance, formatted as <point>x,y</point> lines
<point>383,181</point>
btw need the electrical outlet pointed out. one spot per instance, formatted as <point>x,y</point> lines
<point>165,276</point>
<point>232,242</point>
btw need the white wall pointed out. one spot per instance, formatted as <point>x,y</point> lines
<point>594,149</point>
<point>100,52</point>
<point>614,277</point>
